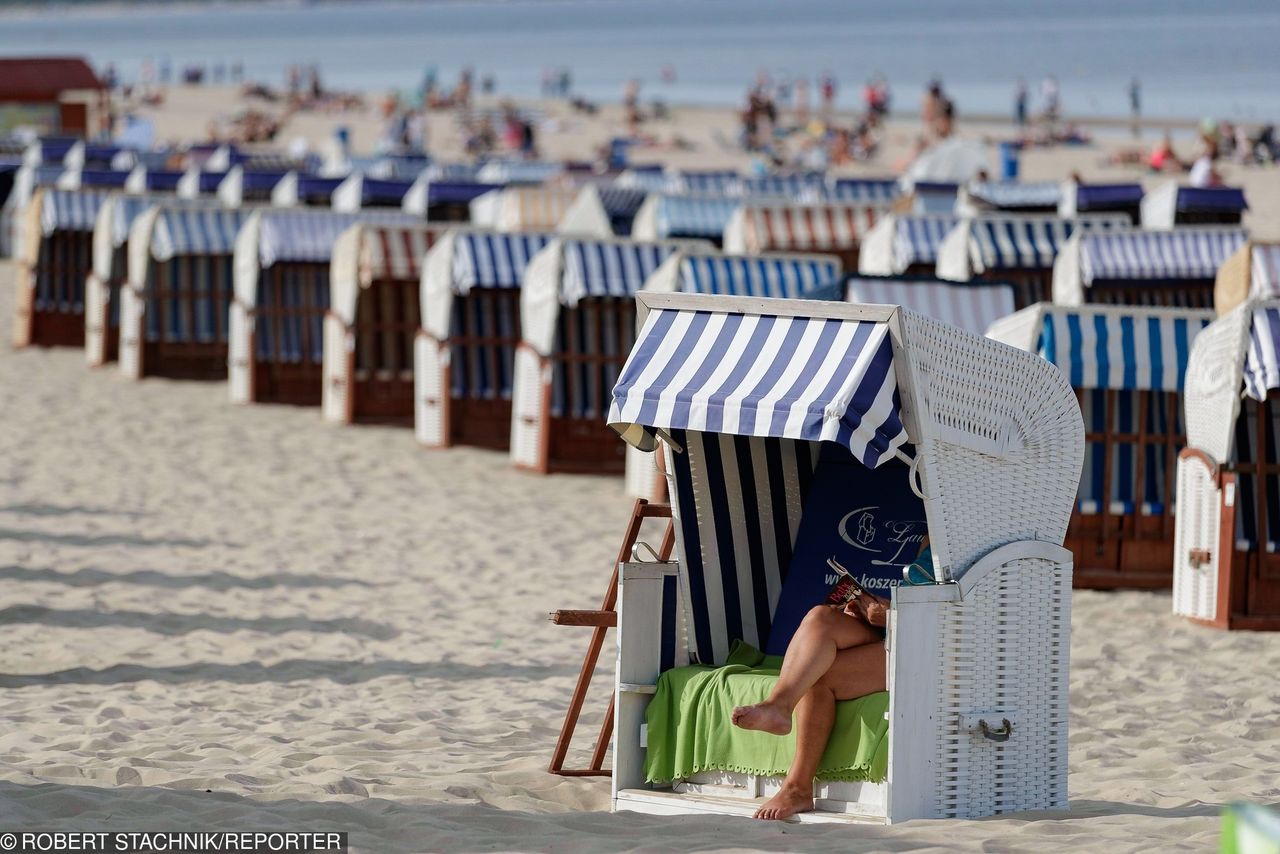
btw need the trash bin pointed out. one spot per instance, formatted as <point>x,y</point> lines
<point>1008,161</point>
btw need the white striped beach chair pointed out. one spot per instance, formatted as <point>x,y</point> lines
<point>982,197</point>
<point>174,308</point>
<point>372,320</point>
<point>1017,248</point>
<point>602,211</point>
<point>1139,267</point>
<point>1226,570</point>
<point>464,355</point>
<point>971,306</point>
<point>1127,366</point>
<point>741,393</point>
<point>577,319</point>
<point>282,265</point>
<point>1252,272</point>
<point>904,244</point>
<point>55,261</point>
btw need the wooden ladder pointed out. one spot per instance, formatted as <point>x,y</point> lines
<point>600,621</point>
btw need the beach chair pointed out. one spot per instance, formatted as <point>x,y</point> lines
<point>174,307</point>
<point>836,228</point>
<point>971,306</point>
<point>677,217</point>
<point>242,186</point>
<point>1170,205</point>
<point>438,200</point>
<point>360,192</point>
<point>577,322</point>
<point>56,258</point>
<point>1226,569</point>
<point>1127,366</point>
<point>1139,267</point>
<point>523,208</point>
<point>602,211</point>
<point>904,244</point>
<point>775,275</point>
<point>1080,199</point>
<point>1016,248</point>
<point>867,191</point>
<point>197,182</point>
<point>464,355</point>
<point>369,330</point>
<point>1011,197</point>
<point>26,179</point>
<point>987,437</point>
<point>1252,272</point>
<point>299,190</point>
<point>276,338</point>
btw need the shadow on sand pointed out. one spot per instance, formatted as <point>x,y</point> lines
<point>90,577</point>
<point>181,624</point>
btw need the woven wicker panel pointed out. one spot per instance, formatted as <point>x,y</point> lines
<point>1195,588</point>
<point>1214,380</point>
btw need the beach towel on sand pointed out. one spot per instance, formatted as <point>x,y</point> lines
<point>690,728</point>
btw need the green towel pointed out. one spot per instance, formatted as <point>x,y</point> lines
<point>690,728</point>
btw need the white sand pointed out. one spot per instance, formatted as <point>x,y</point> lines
<point>219,617</point>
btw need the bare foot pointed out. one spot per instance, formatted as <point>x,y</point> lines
<point>764,717</point>
<point>785,804</point>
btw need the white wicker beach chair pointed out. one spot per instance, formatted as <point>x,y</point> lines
<point>174,307</point>
<point>1226,570</point>
<point>1251,273</point>
<point>1139,267</point>
<point>464,355</point>
<point>995,441</point>
<point>1127,366</point>
<point>369,330</point>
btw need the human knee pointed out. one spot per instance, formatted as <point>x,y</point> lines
<point>820,616</point>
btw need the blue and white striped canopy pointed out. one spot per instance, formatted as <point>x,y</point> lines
<point>621,202</point>
<point>1011,242</point>
<point>799,186</point>
<point>1183,253</point>
<point>602,268</point>
<point>309,235</point>
<point>712,182</point>
<point>1106,349</point>
<point>493,259</point>
<point>1262,361</point>
<point>867,190</point>
<point>70,210</point>
<point>461,172</point>
<point>126,210</point>
<point>793,377</point>
<point>1012,194</point>
<point>916,239</point>
<point>650,179</point>
<point>778,276</point>
<point>518,172</point>
<point>195,231</point>
<point>695,216</point>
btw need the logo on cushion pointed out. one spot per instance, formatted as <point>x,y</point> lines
<point>896,541</point>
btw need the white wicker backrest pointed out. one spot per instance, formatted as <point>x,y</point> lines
<point>999,438</point>
<point>1215,378</point>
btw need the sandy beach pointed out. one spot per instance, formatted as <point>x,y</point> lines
<point>222,617</point>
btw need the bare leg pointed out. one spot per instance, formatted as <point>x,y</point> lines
<point>822,634</point>
<point>856,672</point>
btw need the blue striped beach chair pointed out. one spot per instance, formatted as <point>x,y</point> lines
<point>904,244</point>
<point>1017,248</point>
<point>1080,198</point>
<point>174,309</point>
<point>1128,367</point>
<point>971,306</point>
<point>282,263</point>
<point>1139,267</point>
<point>373,319</point>
<point>55,261</point>
<point>1171,205</point>
<point>1227,544</point>
<point>680,217</point>
<point>746,396</point>
<point>465,351</point>
<point>577,314</point>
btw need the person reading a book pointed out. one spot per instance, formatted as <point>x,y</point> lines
<point>837,653</point>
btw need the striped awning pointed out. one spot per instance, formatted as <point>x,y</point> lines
<point>916,239</point>
<point>799,227</point>
<point>308,235</point>
<point>126,209</point>
<point>1183,253</point>
<point>1012,242</point>
<point>1012,194</point>
<point>621,202</point>
<point>972,306</point>
<point>782,277</point>
<point>1262,361</point>
<point>607,268</point>
<point>70,210</point>
<point>196,231</point>
<point>462,172</point>
<point>695,216</point>
<point>864,190</point>
<point>792,377</point>
<point>649,179</point>
<point>1264,280</point>
<point>805,186</point>
<point>493,260</point>
<point>518,172</point>
<point>1229,199</point>
<point>1109,349</point>
<point>393,252</point>
<point>712,182</point>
